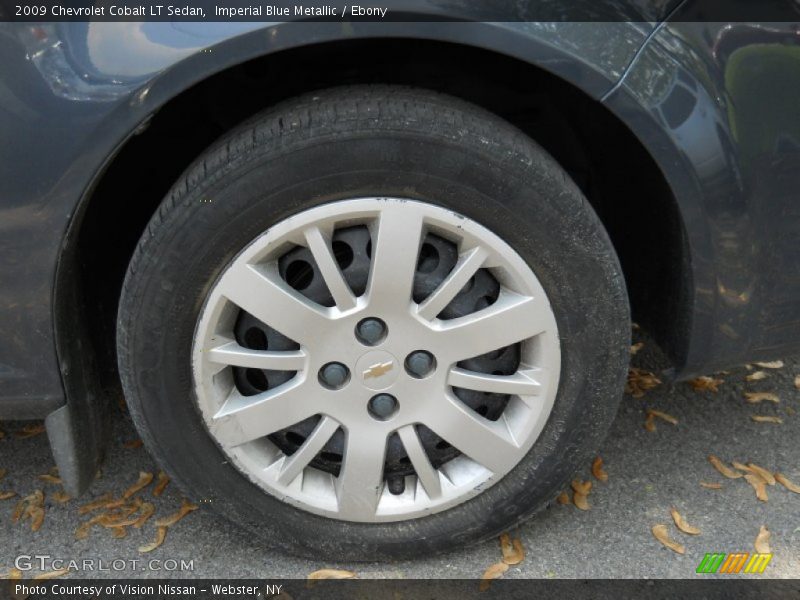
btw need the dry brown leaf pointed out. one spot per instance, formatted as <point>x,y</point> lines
<point>765,419</point>
<point>52,574</point>
<point>598,471</point>
<point>161,485</point>
<point>723,468</point>
<point>30,430</point>
<point>663,416</point>
<point>581,487</point>
<point>563,498</point>
<point>661,533</point>
<point>37,518</point>
<point>147,511</point>
<point>762,540</point>
<point>650,423</point>
<point>133,444</point>
<point>797,382</point>
<point>161,533</point>
<point>767,476</point>
<point>118,532</point>
<point>580,501</point>
<point>758,397</point>
<point>50,479</point>
<point>82,532</point>
<point>333,574</point>
<point>513,552</point>
<point>144,480</point>
<point>12,574</point>
<point>60,497</point>
<point>787,483</point>
<point>494,572</point>
<point>775,364</point>
<point>711,486</point>
<point>681,523</point>
<point>705,383</point>
<point>185,509</point>
<point>95,504</point>
<point>7,495</point>
<point>757,376</point>
<point>640,381</point>
<point>759,485</point>
<point>636,347</point>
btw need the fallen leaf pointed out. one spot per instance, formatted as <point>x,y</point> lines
<point>650,423</point>
<point>757,376</point>
<point>185,509</point>
<point>640,381</point>
<point>636,347</point>
<point>133,444</point>
<point>563,498</point>
<point>581,487</point>
<point>161,485</point>
<point>30,430</point>
<point>764,419</point>
<point>7,495</point>
<point>580,501</point>
<point>705,383</point>
<point>50,479</point>
<point>759,485</point>
<point>681,523</point>
<point>775,364</point>
<point>333,574</point>
<point>723,468</point>
<point>161,533</point>
<point>60,497</point>
<point>146,511</point>
<point>82,532</point>
<point>598,471</point>
<point>797,382</point>
<point>494,572</point>
<point>118,533</point>
<point>762,472</point>
<point>661,533</point>
<point>12,574</point>
<point>758,397</point>
<point>662,415</point>
<point>513,552</point>
<point>762,540</point>
<point>787,483</point>
<point>95,504</point>
<point>711,486</point>
<point>144,480</point>
<point>52,574</point>
<point>37,518</point>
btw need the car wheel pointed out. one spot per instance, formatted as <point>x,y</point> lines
<point>374,322</point>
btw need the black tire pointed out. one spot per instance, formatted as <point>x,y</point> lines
<point>372,141</point>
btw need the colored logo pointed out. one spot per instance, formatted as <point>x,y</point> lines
<point>731,564</point>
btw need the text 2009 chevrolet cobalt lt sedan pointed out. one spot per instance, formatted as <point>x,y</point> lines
<point>368,288</point>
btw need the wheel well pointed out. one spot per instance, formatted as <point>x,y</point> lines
<point>616,173</point>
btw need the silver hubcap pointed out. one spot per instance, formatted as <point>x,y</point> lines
<point>375,401</point>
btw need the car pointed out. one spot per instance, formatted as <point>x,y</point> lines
<point>367,286</point>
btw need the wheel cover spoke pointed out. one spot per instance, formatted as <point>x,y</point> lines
<point>243,419</point>
<point>386,426</point>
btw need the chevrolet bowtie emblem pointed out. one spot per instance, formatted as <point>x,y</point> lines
<point>378,369</point>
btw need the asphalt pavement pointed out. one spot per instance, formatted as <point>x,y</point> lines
<point>648,472</point>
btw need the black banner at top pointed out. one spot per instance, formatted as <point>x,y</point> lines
<point>399,10</point>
